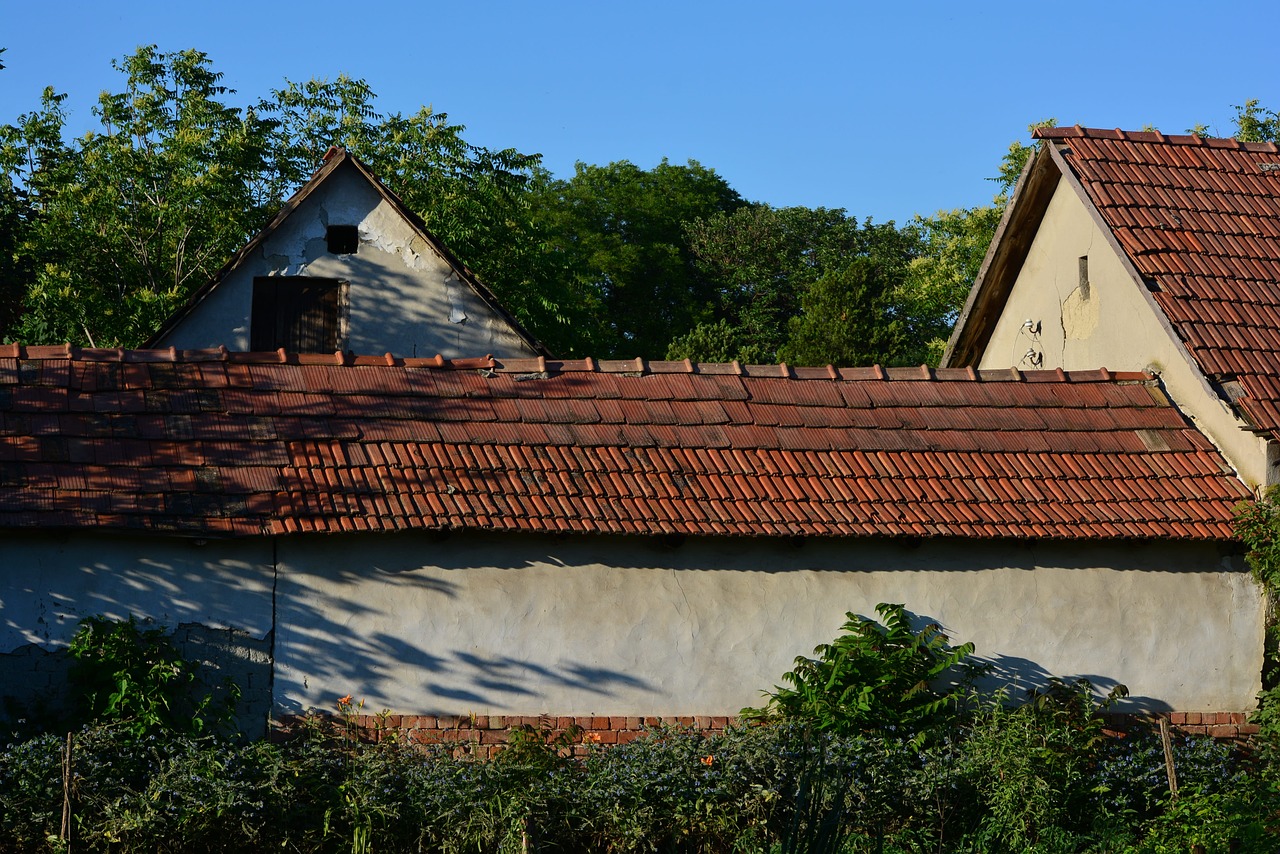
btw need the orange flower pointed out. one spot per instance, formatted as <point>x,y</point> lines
<point>344,701</point>
<point>708,760</point>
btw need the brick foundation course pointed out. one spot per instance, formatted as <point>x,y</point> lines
<point>483,736</point>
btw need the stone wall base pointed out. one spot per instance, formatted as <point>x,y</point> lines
<point>483,736</point>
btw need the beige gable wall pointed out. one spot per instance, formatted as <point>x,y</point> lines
<point>403,297</point>
<point>1114,326</point>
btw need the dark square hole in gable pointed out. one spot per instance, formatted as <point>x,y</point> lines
<point>342,239</point>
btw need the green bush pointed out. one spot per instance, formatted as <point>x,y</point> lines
<point>875,677</point>
<point>137,678</point>
<point>1017,779</point>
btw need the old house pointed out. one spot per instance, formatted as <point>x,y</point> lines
<point>346,266</point>
<point>1141,251</point>
<point>479,537</point>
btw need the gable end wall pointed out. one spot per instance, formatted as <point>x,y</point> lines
<point>403,297</point>
<point>1114,326</point>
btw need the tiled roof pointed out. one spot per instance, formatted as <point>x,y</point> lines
<point>1200,220</point>
<point>211,443</point>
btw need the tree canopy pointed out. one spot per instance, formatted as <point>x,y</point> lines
<point>103,235</point>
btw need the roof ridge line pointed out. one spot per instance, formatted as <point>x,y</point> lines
<point>1155,135</point>
<point>541,364</point>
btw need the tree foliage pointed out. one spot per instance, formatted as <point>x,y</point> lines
<point>620,230</point>
<point>123,222</point>
<point>875,676</point>
<point>1255,123</point>
<point>847,318</point>
<point>765,261</point>
<point>114,229</point>
<point>103,235</point>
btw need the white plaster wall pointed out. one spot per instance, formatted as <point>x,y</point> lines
<point>1116,327</point>
<point>403,297</point>
<point>607,625</point>
<point>51,581</point>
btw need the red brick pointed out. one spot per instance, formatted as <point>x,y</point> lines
<point>480,722</point>
<point>719,723</point>
<point>633,723</point>
<point>1192,717</point>
<point>498,722</point>
<point>608,737</point>
<point>702,722</point>
<point>652,721</point>
<point>1239,717</point>
<point>617,723</point>
<point>1224,731</point>
<point>493,736</point>
<point>1179,718</point>
<point>599,724</point>
<point>564,722</point>
<point>628,736</point>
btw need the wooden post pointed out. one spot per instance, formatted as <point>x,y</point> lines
<point>1168,757</point>
<point>65,836</point>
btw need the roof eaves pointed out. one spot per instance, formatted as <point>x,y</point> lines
<point>198,296</point>
<point>1003,261</point>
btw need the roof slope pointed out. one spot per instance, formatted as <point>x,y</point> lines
<point>1199,219</point>
<point>207,442</point>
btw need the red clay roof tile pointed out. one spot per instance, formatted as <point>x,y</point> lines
<point>240,444</point>
<point>1201,218</point>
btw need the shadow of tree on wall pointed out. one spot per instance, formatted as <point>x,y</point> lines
<point>1020,678</point>
<point>371,624</point>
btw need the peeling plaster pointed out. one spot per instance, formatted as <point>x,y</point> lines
<point>1080,315</point>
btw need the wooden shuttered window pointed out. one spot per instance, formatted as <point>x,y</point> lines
<point>299,313</point>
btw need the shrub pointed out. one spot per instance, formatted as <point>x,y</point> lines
<point>874,677</point>
<point>137,678</point>
<point>1031,768</point>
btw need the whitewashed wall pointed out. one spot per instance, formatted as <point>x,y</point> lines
<point>612,626</point>
<point>510,624</point>
<point>403,297</point>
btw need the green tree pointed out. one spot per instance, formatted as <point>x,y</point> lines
<point>1255,123</point>
<point>846,318</point>
<point>115,228</point>
<point>953,245</point>
<point>125,221</point>
<point>620,230</point>
<point>764,260</point>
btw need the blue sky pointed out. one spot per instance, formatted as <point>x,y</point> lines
<point>884,109</point>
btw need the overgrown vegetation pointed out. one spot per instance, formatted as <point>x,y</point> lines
<point>876,677</point>
<point>1010,779</point>
<point>136,679</point>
